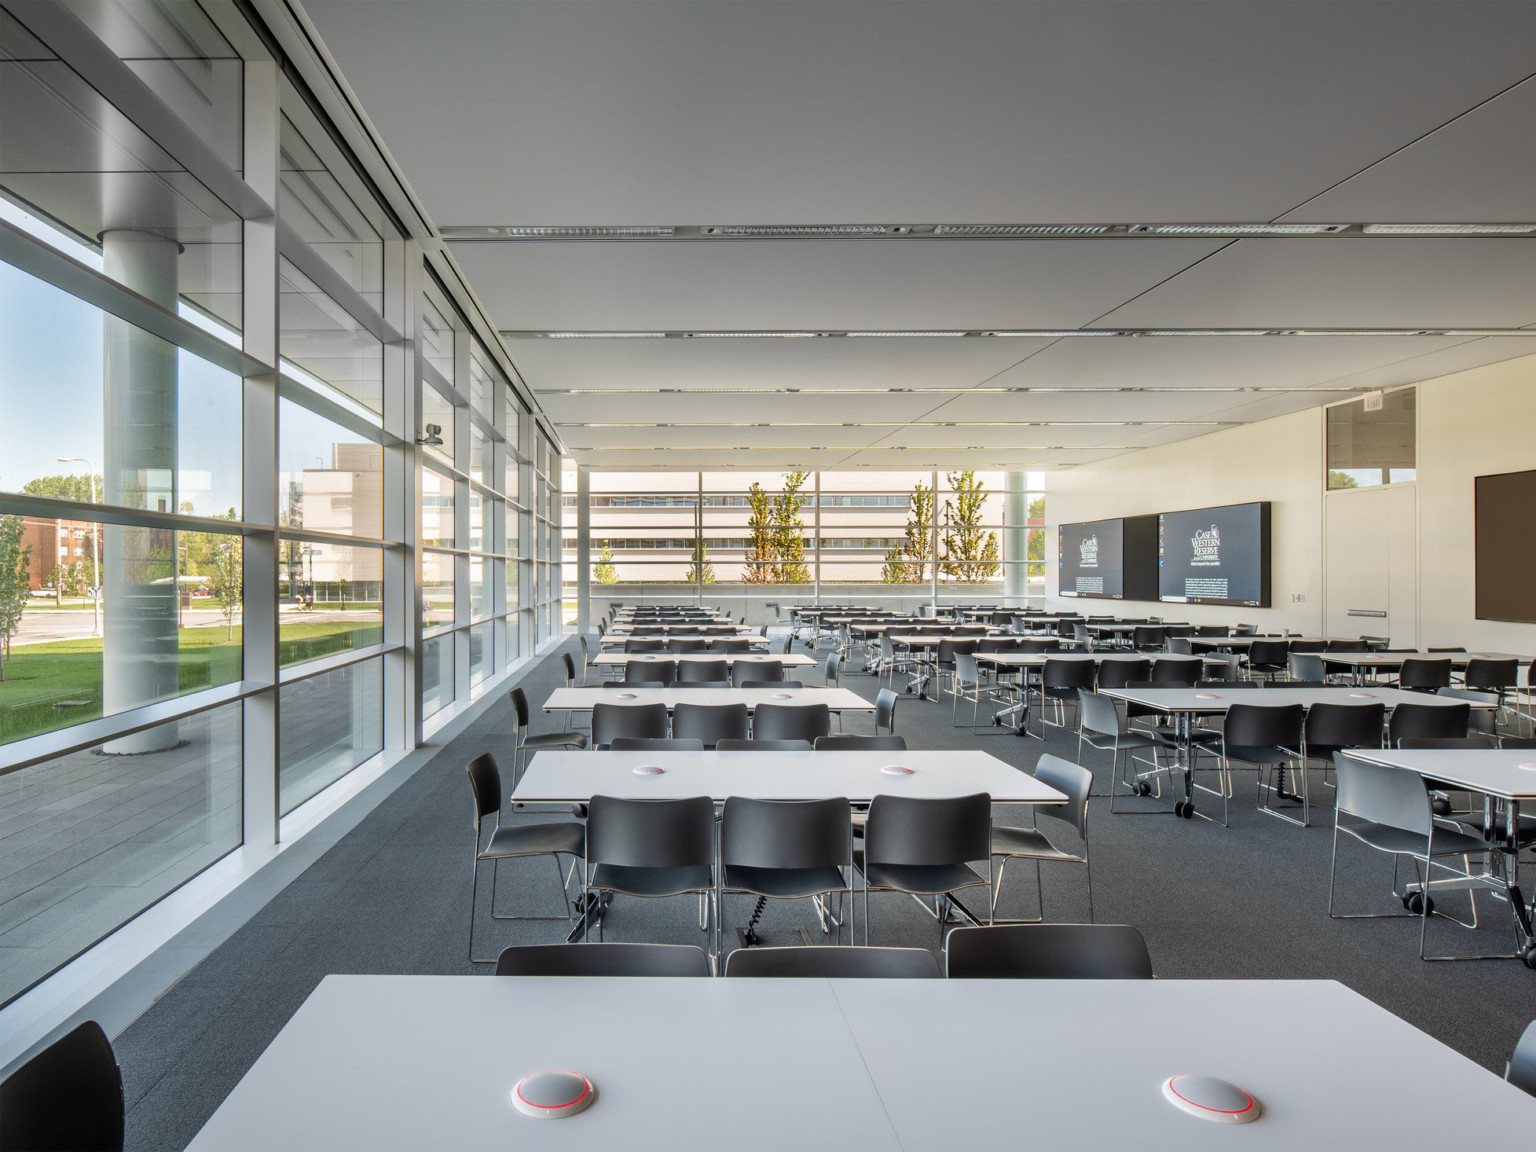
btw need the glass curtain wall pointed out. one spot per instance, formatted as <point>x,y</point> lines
<point>233,565</point>
<point>785,537</point>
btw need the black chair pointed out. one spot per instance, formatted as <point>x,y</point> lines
<point>650,672</point>
<point>651,849</point>
<point>645,644</point>
<point>523,742</point>
<point>922,847</point>
<point>1059,682</point>
<point>1268,657</point>
<point>763,746</point>
<point>1048,952</point>
<point>67,1098</point>
<point>603,960</point>
<point>759,670</point>
<point>1438,721</point>
<point>1269,737</point>
<point>1424,675</point>
<point>786,685</point>
<point>1174,673</point>
<point>1332,728</point>
<point>1148,638</point>
<point>710,723</point>
<point>1119,673</point>
<point>654,744</point>
<point>645,720</point>
<point>702,671</point>
<point>514,843</point>
<point>1496,676</point>
<point>838,742</point>
<point>730,644</point>
<point>787,850</point>
<point>791,722</point>
<point>833,963</point>
<point>681,644</point>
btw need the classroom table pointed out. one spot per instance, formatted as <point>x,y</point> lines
<point>616,639</point>
<point>717,629</point>
<point>1361,664</point>
<point>397,1063</point>
<point>1184,704</point>
<point>1034,661</point>
<point>622,659</point>
<point>582,699</point>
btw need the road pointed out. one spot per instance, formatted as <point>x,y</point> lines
<point>41,625</point>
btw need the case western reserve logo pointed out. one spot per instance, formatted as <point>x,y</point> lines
<point>1088,552</point>
<point>1206,546</point>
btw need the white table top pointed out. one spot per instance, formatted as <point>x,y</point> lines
<point>621,659</point>
<point>641,629</point>
<point>562,776</point>
<point>1038,659</point>
<point>1394,659</point>
<point>616,639</point>
<point>582,699</point>
<point>1491,771</point>
<point>1210,701</point>
<point>390,1063</point>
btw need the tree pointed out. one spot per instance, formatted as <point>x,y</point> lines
<point>762,555</point>
<point>68,579</point>
<point>15,581</point>
<point>228,580</point>
<point>1036,546</point>
<point>603,571</point>
<point>970,551</point>
<point>700,571</point>
<point>1337,479</point>
<point>908,563</point>
<point>789,528</point>
<point>64,488</point>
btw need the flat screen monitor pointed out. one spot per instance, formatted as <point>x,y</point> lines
<point>1090,559</point>
<point>1215,555</point>
<point>1505,548</point>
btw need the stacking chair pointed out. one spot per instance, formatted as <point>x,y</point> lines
<point>759,670</point>
<point>840,742</point>
<point>710,723</point>
<point>1174,673</point>
<point>730,644</point>
<point>1103,727</point>
<point>791,722</point>
<point>1392,814</point>
<point>68,1097</point>
<point>1245,630</point>
<point>1060,681</point>
<point>1306,666</point>
<point>1039,646</point>
<point>786,685</point>
<point>603,960</point>
<point>763,746</point>
<point>645,644</point>
<point>1423,675</point>
<point>517,842</point>
<point>1048,952</point>
<point>1148,638</point>
<point>1180,646</point>
<point>944,660</point>
<point>787,850</point>
<point>650,672</point>
<point>655,744</point>
<point>922,847</point>
<point>1269,737</point>
<point>1119,673</point>
<point>1267,657</point>
<point>524,742</point>
<point>833,963</point>
<point>651,849</point>
<point>1330,728</point>
<point>687,644</point>
<point>1032,844</point>
<point>965,684</point>
<point>885,710</point>
<point>702,672</point>
<point>645,720</point>
<point>1433,720</point>
<point>1495,676</point>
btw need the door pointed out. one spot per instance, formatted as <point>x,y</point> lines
<point>1371,563</point>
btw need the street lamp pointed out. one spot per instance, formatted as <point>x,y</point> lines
<point>90,475</point>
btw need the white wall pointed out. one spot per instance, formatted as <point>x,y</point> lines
<point>1469,424</point>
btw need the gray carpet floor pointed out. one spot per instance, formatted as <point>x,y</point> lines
<point>1247,901</point>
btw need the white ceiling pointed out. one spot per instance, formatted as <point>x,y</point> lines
<point>704,112</point>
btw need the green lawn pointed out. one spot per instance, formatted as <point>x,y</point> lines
<point>43,681</point>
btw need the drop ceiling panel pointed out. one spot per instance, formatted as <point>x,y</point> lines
<point>989,437</point>
<point>1147,406</point>
<point>816,285</point>
<point>768,406</point>
<point>649,111</point>
<point>724,439</point>
<point>1459,359</point>
<point>1428,180</point>
<point>1414,282</point>
<point>805,364</point>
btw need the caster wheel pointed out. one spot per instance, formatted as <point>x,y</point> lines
<point>1143,788</point>
<point>1440,806</point>
<point>1530,956</point>
<point>1418,903</point>
<point>1184,810</point>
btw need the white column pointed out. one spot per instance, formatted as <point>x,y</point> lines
<point>1015,539</point>
<point>583,550</point>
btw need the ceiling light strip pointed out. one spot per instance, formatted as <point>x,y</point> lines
<point>502,233</point>
<point>1014,333</point>
<point>939,391</point>
<point>918,423</point>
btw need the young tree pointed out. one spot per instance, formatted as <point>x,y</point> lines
<point>762,556</point>
<point>700,571</point>
<point>970,552</point>
<point>789,528</point>
<point>603,571</point>
<point>15,584</point>
<point>228,580</point>
<point>908,562</point>
<point>65,487</point>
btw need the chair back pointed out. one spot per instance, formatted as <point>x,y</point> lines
<point>1072,779</point>
<point>833,963</point>
<point>687,644</point>
<point>67,1097</point>
<point>730,644</point>
<point>485,782</point>
<point>570,668</point>
<point>1223,668</point>
<point>710,723</point>
<point>1048,952</point>
<point>1039,647</point>
<point>949,647</point>
<point>1392,796</point>
<point>1264,725</point>
<point>763,746</point>
<point>1098,713</point>
<point>1119,673</point>
<point>966,672</point>
<point>885,709</point>
<point>743,670</point>
<point>832,669</point>
<point>651,833</point>
<point>1174,672</point>
<point>850,742</point>
<point>603,960</point>
<point>1522,1061</point>
<point>1306,666</point>
<point>786,833</point>
<point>1437,720</point>
<point>1422,673</point>
<point>1345,725</point>
<point>519,707</point>
<point>1180,646</point>
<point>610,720</point>
<point>1268,653</point>
<point>1147,636</point>
<point>925,832</point>
<point>702,671</point>
<point>1067,674</point>
<point>651,744</point>
<point>645,644</point>
<point>1212,631</point>
<point>650,672</point>
<point>1491,674</point>
<point>790,721</point>
<point>1245,630</point>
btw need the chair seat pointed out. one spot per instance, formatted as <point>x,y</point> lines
<point>924,879</point>
<point>785,883</point>
<point>535,840</point>
<point>1389,839</point>
<point>556,740</point>
<point>1027,842</point>
<point>652,881</point>
<point>1126,739</point>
